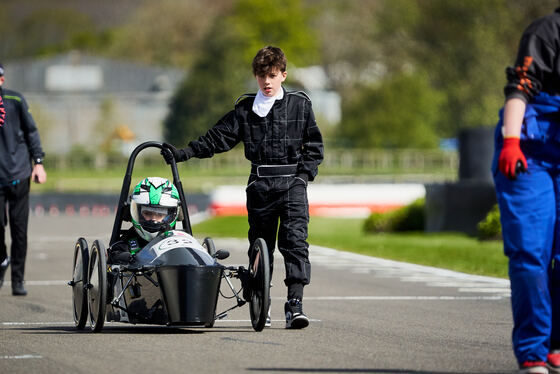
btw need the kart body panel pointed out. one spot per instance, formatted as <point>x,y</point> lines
<point>172,281</point>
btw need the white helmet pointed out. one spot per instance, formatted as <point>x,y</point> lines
<point>154,206</point>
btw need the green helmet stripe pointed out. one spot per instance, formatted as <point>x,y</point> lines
<point>174,192</point>
<point>155,194</point>
<point>138,188</point>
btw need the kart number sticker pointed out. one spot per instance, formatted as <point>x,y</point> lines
<point>170,243</point>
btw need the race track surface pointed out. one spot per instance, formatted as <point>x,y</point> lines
<point>367,316</point>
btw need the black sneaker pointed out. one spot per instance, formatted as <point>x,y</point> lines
<point>18,289</point>
<point>295,318</point>
<point>3,267</point>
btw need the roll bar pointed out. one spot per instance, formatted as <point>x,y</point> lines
<point>126,188</point>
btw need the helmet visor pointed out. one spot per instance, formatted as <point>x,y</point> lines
<point>155,218</point>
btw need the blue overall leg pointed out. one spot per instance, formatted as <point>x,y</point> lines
<point>528,214</point>
<point>555,273</point>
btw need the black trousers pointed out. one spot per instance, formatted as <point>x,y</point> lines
<point>278,205</point>
<point>14,206</point>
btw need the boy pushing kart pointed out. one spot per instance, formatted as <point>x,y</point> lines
<point>285,147</point>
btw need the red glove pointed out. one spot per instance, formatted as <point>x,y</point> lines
<point>509,157</point>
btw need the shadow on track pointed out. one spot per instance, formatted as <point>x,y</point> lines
<point>358,370</point>
<point>107,330</point>
<point>131,330</point>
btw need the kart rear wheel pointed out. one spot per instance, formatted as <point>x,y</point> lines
<point>79,282</point>
<point>259,273</point>
<point>97,287</point>
<point>208,244</point>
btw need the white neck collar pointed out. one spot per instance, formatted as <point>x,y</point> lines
<point>263,104</point>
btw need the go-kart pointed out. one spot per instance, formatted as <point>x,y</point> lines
<point>174,280</point>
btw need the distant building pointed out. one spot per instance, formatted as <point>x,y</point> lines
<point>94,102</point>
<point>91,101</point>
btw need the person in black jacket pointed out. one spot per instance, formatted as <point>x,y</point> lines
<point>285,147</point>
<point>526,174</point>
<point>19,145</point>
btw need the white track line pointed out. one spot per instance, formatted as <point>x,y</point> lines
<point>392,298</point>
<point>36,323</point>
<point>42,283</point>
<point>19,357</point>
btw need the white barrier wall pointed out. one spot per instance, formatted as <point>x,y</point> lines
<point>348,200</point>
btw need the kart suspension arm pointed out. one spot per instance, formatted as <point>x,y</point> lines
<point>116,300</point>
<point>148,277</point>
<point>240,301</point>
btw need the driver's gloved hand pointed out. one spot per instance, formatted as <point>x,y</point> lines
<point>169,152</point>
<point>121,257</point>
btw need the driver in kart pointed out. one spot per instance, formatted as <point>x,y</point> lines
<point>154,208</point>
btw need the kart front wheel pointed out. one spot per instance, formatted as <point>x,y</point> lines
<point>79,283</point>
<point>208,244</point>
<point>259,273</point>
<point>97,287</point>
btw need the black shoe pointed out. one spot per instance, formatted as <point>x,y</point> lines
<point>295,318</point>
<point>18,289</point>
<point>3,267</point>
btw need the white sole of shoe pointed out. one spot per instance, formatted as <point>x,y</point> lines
<point>299,322</point>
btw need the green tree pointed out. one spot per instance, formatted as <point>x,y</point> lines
<point>463,45</point>
<point>223,70</point>
<point>347,33</point>
<point>400,112</point>
<point>166,32</point>
<point>45,31</point>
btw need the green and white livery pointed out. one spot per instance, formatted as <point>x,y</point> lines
<point>154,206</point>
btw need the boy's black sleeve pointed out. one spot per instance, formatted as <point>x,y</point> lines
<point>312,149</point>
<point>222,137</point>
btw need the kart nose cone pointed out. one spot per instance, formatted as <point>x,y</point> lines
<point>190,293</point>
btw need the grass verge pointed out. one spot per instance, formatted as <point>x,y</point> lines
<point>110,180</point>
<point>444,250</point>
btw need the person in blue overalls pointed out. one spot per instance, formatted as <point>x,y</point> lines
<point>526,171</point>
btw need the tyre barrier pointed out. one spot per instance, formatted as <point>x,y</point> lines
<point>83,210</point>
<point>89,205</point>
<point>329,200</point>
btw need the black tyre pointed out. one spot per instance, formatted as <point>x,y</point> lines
<point>259,272</point>
<point>208,244</point>
<point>97,288</point>
<point>79,282</point>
